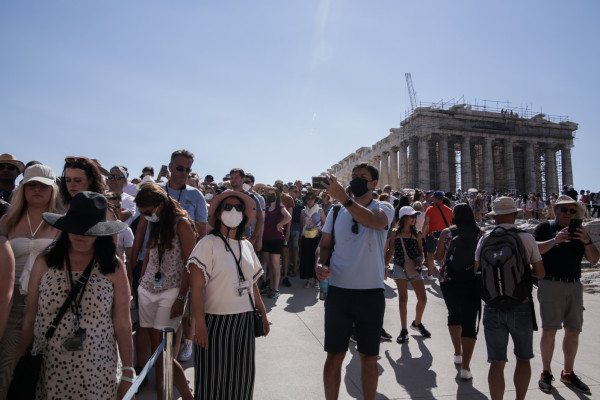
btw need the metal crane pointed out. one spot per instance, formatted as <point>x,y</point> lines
<point>411,91</point>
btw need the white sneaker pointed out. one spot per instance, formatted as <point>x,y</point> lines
<point>186,351</point>
<point>429,278</point>
<point>465,374</point>
<point>458,359</point>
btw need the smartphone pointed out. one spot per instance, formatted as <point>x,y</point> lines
<point>573,225</point>
<point>163,169</point>
<point>316,182</point>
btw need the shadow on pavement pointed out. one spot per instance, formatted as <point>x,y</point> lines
<point>409,371</point>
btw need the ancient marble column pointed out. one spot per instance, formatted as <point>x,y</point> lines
<point>413,180</point>
<point>465,164</point>
<point>385,169</point>
<point>567,169</point>
<point>377,164</point>
<point>509,165</point>
<point>404,167</point>
<point>488,164</point>
<point>394,181</point>
<point>443,167</point>
<point>550,172</point>
<point>530,184</point>
<point>423,181</point>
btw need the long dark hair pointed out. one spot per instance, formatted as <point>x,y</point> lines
<point>239,231</point>
<point>92,172</point>
<point>463,219</point>
<point>104,251</point>
<point>163,231</point>
<point>400,225</point>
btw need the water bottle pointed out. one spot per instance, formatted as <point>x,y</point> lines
<point>323,287</point>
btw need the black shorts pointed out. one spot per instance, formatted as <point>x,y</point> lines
<point>272,246</point>
<point>364,308</point>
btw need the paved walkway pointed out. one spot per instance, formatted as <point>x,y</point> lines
<point>290,360</point>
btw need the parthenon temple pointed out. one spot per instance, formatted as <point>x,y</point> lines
<point>463,146</point>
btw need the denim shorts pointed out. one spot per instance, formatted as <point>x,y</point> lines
<point>399,273</point>
<point>498,324</point>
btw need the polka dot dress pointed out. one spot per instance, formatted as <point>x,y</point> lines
<point>87,374</point>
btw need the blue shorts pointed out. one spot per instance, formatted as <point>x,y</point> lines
<point>399,273</point>
<point>294,241</point>
<point>498,324</point>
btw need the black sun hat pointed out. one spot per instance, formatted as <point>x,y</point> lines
<point>86,217</point>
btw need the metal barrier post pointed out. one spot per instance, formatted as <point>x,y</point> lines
<point>169,338</point>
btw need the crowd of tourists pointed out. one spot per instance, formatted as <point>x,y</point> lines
<point>91,255</point>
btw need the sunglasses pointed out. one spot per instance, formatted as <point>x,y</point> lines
<point>248,183</point>
<point>181,168</point>
<point>115,177</point>
<point>229,207</point>
<point>9,167</point>
<point>569,210</point>
<point>354,226</point>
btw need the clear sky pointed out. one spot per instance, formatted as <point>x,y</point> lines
<point>283,89</point>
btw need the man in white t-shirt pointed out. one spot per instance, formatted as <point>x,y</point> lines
<point>117,179</point>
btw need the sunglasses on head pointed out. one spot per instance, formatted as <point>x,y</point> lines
<point>9,167</point>
<point>181,168</point>
<point>115,177</point>
<point>229,207</point>
<point>569,210</point>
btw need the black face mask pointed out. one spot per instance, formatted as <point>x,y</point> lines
<point>358,186</point>
<point>271,198</point>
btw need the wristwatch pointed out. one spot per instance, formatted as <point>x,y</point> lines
<point>348,202</point>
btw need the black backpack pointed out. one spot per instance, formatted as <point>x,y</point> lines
<point>460,259</point>
<point>505,274</point>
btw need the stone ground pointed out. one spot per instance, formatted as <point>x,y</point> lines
<point>289,361</point>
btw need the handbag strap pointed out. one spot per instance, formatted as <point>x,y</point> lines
<point>404,248</point>
<point>443,216</point>
<point>237,264</point>
<point>82,281</point>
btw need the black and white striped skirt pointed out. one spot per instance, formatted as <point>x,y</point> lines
<point>226,369</point>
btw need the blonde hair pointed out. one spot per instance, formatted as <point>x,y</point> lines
<point>18,206</point>
<point>417,205</point>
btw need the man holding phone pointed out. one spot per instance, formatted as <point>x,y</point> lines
<point>563,243</point>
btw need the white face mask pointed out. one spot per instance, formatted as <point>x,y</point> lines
<point>232,218</point>
<point>246,187</point>
<point>153,218</point>
<point>208,197</point>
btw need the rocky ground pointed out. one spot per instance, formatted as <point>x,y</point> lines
<point>590,274</point>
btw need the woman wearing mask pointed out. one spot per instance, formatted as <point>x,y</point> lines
<point>80,356</point>
<point>406,247</point>
<point>28,236</point>
<point>460,286</point>
<point>312,219</point>
<point>164,283</point>
<point>79,174</point>
<point>225,343</point>
<point>276,217</point>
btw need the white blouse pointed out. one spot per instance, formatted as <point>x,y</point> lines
<point>221,273</point>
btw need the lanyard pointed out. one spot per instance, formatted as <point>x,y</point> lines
<point>70,284</point>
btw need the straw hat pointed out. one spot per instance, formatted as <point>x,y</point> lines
<point>249,206</point>
<point>564,199</point>
<point>503,205</point>
<point>10,159</point>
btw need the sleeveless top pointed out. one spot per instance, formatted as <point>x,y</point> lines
<point>171,267</point>
<point>26,251</point>
<point>92,372</point>
<point>412,248</point>
<point>272,218</point>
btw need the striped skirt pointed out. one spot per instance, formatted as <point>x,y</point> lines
<point>226,369</point>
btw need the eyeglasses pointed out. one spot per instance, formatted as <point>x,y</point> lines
<point>116,177</point>
<point>149,213</point>
<point>354,226</point>
<point>9,167</point>
<point>229,207</point>
<point>181,168</point>
<point>569,210</point>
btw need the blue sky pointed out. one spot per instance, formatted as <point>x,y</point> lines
<point>283,89</point>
